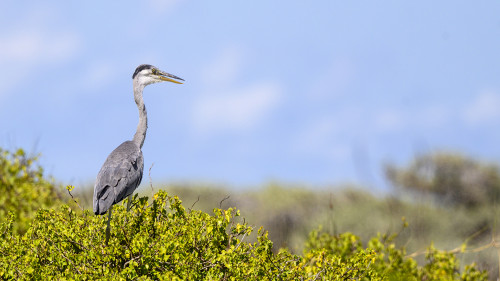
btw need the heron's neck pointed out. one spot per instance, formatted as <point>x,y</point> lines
<point>140,134</point>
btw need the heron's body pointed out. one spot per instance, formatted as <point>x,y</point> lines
<point>120,175</point>
<point>122,171</point>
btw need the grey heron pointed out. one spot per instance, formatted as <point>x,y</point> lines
<point>122,171</point>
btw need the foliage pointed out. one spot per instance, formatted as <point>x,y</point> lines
<point>389,261</point>
<point>164,241</point>
<point>291,212</point>
<point>23,189</point>
<point>453,178</point>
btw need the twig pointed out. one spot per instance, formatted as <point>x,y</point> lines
<point>64,256</point>
<point>75,242</point>
<point>151,181</point>
<point>492,243</point>
<point>194,203</point>
<point>220,204</point>
<point>237,246</point>
<point>318,275</point>
<point>69,188</point>
<point>138,257</point>
<point>127,243</point>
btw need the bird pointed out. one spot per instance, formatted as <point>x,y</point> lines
<point>122,171</point>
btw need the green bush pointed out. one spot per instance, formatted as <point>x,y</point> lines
<point>452,178</point>
<point>161,240</point>
<point>390,262</point>
<point>23,189</point>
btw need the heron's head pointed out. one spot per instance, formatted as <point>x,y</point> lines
<point>146,74</point>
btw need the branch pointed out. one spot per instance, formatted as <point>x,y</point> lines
<point>69,188</point>
<point>194,203</point>
<point>225,198</point>
<point>151,181</point>
<point>461,249</point>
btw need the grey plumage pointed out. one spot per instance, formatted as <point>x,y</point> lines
<point>120,175</point>
<point>122,171</point>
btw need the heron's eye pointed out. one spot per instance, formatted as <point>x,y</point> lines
<point>153,70</point>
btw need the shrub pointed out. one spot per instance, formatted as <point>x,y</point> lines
<point>390,262</point>
<point>454,179</point>
<point>164,241</point>
<point>23,189</point>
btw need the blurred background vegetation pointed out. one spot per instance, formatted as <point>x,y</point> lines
<point>447,199</point>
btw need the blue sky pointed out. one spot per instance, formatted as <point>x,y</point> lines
<point>318,92</point>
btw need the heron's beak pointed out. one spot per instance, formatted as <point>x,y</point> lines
<point>168,77</point>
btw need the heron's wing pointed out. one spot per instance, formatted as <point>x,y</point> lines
<point>119,176</point>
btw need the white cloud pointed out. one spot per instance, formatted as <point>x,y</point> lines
<point>224,68</point>
<point>237,110</point>
<point>32,45</point>
<point>389,120</point>
<point>28,46</point>
<point>163,6</point>
<point>394,120</point>
<point>485,108</point>
<point>322,137</point>
<point>334,81</point>
<point>225,105</point>
<point>98,74</point>
<point>434,117</point>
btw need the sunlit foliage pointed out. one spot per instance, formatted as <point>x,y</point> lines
<point>164,241</point>
<point>23,188</point>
